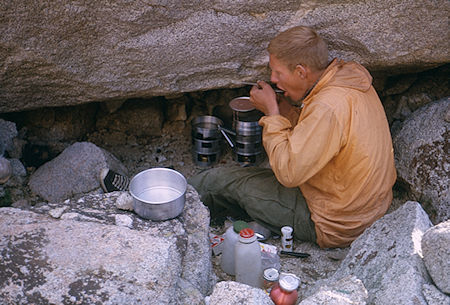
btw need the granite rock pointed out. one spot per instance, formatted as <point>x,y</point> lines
<point>422,159</point>
<point>235,293</point>
<point>347,291</point>
<point>389,253</point>
<point>74,172</point>
<point>77,252</point>
<point>434,296</point>
<point>64,53</point>
<point>436,254</point>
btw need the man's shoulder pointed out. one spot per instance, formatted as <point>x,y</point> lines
<point>331,97</point>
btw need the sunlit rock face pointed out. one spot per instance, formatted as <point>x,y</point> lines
<point>68,53</point>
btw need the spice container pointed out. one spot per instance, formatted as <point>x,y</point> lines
<point>285,291</point>
<point>287,240</point>
<point>270,276</point>
<point>248,266</point>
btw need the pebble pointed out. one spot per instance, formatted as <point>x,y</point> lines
<point>123,220</point>
<point>125,202</point>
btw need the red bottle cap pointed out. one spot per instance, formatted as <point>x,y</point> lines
<point>247,233</point>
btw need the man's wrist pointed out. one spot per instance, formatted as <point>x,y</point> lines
<point>274,111</point>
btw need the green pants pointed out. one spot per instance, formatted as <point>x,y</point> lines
<point>256,192</point>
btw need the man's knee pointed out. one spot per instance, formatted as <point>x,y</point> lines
<point>200,180</point>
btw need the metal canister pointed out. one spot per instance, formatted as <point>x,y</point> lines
<point>287,239</point>
<point>270,276</point>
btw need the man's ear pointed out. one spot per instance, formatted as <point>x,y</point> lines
<point>301,71</point>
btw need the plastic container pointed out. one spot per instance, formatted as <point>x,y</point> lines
<point>248,266</point>
<point>285,291</point>
<point>287,240</point>
<point>231,237</point>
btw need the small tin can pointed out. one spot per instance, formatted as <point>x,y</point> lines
<point>271,276</point>
<point>287,240</point>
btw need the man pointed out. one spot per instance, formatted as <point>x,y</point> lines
<point>328,144</point>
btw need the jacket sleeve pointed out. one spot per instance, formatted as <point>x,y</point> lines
<point>298,153</point>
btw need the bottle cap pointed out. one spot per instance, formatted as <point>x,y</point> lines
<point>287,231</point>
<point>271,274</point>
<point>288,282</point>
<point>238,225</point>
<point>247,233</point>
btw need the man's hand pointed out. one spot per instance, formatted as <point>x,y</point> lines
<point>264,98</point>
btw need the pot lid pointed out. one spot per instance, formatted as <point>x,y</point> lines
<point>241,104</point>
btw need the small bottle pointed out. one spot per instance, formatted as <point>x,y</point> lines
<point>287,240</point>
<point>248,265</point>
<point>230,239</point>
<point>285,291</point>
<point>271,276</point>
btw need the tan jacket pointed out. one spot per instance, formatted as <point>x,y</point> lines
<point>338,152</point>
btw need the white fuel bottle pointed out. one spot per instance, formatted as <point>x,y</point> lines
<point>231,237</point>
<point>248,266</point>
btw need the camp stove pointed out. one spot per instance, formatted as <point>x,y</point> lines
<point>206,140</point>
<point>247,148</point>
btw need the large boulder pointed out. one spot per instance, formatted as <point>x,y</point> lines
<point>434,296</point>
<point>436,254</point>
<point>75,171</point>
<point>87,251</point>
<point>422,159</point>
<point>387,258</point>
<point>64,53</point>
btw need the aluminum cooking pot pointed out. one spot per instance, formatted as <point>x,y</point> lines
<point>248,128</point>
<point>158,193</point>
<point>206,127</point>
<point>243,110</point>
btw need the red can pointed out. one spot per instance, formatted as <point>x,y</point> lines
<point>285,291</point>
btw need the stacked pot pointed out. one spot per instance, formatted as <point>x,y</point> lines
<point>206,140</point>
<point>248,149</point>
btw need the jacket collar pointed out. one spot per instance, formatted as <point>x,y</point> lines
<point>329,72</point>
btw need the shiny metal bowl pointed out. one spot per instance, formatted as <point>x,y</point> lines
<point>158,193</point>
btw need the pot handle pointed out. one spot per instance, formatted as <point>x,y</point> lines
<point>225,135</point>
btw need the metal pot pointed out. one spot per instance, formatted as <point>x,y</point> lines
<point>243,110</point>
<point>206,127</point>
<point>158,193</point>
<point>248,128</point>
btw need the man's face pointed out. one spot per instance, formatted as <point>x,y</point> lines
<point>290,81</point>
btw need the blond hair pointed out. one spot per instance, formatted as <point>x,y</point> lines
<point>300,45</point>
